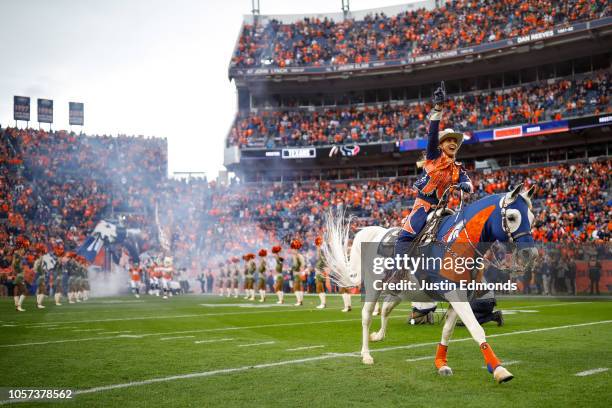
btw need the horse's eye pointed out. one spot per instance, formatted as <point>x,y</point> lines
<point>511,218</point>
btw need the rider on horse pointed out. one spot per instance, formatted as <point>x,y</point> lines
<point>441,171</point>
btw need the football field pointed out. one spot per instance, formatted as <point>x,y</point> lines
<point>197,351</point>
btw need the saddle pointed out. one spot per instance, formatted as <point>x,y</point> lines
<point>432,225</point>
<point>386,247</point>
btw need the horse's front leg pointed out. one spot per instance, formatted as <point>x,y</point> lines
<point>387,308</point>
<point>447,331</point>
<point>366,320</point>
<point>465,313</point>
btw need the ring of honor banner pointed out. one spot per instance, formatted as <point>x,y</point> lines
<point>45,110</point>
<point>76,113</point>
<point>21,108</point>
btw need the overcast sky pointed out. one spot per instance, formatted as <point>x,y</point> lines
<point>149,67</point>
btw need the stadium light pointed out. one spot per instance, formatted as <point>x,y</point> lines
<point>346,7</point>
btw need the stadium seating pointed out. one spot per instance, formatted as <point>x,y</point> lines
<point>455,24</point>
<point>533,103</point>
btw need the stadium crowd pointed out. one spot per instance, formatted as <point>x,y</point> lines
<point>55,187</point>
<point>533,103</point>
<point>452,25</point>
<point>571,205</point>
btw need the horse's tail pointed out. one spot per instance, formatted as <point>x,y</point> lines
<point>335,249</point>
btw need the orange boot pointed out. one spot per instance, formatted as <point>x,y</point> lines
<point>441,356</point>
<point>500,374</point>
<point>440,361</point>
<point>491,360</point>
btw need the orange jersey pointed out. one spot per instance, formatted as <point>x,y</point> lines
<point>157,271</point>
<point>163,271</point>
<point>135,274</point>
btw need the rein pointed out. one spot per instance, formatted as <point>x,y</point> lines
<point>496,263</point>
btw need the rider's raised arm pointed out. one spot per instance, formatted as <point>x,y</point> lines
<point>439,97</point>
<point>432,137</point>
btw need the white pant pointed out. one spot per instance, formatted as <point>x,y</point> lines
<point>546,283</point>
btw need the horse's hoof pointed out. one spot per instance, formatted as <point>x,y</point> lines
<point>367,360</point>
<point>375,336</point>
<point>502,375</point>
<point>445,371</point>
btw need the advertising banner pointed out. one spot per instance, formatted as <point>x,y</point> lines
<point>21,108</point>
<point>306,153</point>
<point>45,110</point>
<point>590,121</point>
<point>76,113</point>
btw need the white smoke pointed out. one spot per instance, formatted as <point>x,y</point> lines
<point>113,283</point>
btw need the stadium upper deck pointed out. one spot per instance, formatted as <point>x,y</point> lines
<point>536,102</point>
<point>404,35</point>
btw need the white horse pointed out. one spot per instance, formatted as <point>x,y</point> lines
<point>510,220</point>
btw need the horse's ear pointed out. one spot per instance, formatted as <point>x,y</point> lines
<point>528,195</point>
<point>515,192</point>
<point>531,192</point>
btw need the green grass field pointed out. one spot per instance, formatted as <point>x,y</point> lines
<point>197,351</point>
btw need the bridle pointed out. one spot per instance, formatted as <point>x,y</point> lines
<point>495,262</point>
<point>504,207</point>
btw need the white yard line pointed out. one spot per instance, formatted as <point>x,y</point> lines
<point>507,363</point>
<point>51,324</point>
<point>591,372</point>
<point>263,326</point>
<point>167,317</point>
<point>59,341</point>
<point>87,330</point>
<point>512,333</point>
<point>327,356</point>
<point>175,338</point>
<point>60,328</point>
<point>115,332</point>
<point>410,360</point>
<point>211,341</point>
<point>552,305</point>
<point>305,348</point>
<point>197,375</point>
<point>256,344</point>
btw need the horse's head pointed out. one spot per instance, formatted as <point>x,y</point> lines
<point>106,231</point>
<point>516,220</point>
<point>48,262</point>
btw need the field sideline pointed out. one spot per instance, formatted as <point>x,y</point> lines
<point>211,351</point>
